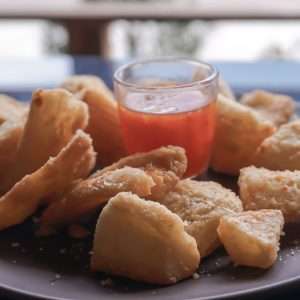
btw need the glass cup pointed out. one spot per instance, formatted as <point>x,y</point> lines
<point>168,101</point>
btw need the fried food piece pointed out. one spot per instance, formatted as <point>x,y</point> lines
<point>164,181</point>
<point>77,84</point>
<point>144,241</point>
<point>170,158</point>
<point>59,172</point>
<point>251,238</point>
<point>264,189</point>
<point>150,175</point>
<point>281,151</point>
<point>89,194</point>
<point>54,117</point>
<point>11,109</point>
<point>225,89</point>
<point>200,205</point>
<point>104,124</point>
<point>166,165</point>
<point>87,164</point>
<point>277,108</point>
<point>239,132</point>
<point>10,136</point>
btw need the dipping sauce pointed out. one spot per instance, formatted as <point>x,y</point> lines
<point>183,119</point>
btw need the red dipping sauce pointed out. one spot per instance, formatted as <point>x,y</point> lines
<point>168,101</point>
<point>185,120</point>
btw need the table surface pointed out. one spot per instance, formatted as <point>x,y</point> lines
<point>19,78</point>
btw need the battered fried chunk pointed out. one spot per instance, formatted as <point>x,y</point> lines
<point>11,109</point>
<point>262,189</point>
<point>104,124</point>
<point>170,158</point>
<point>239,132</point>
<point>200,205</point>
<point>144,241</point>
<point>58,172</point>
<point>88,195</point>
<point>10,136</point>
<point>281,151</point>
<point>277,108</point>
<point>251,238</point>
<point>152,174</point>
<point>53,119</point>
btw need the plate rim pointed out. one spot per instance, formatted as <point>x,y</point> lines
<point>13,291</point>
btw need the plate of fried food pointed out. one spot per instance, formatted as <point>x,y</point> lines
<point>80,219</point>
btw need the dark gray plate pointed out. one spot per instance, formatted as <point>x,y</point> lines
<point>57,268</point>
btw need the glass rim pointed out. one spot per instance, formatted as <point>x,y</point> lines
<point>139,87</point>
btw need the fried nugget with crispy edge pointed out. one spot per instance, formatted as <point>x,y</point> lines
<point>144,241</point>
<point>265,189</point>
<point>54,117</point>
<point>87,164</point>
<point>277,108</point>
<point>281,151</point>
<point>166,165</point>
<point>239,132</point>
<point>10,136</point>
<point>164,181</point>
<point>104,124</point>
<point>251,238</point>
<point>58,172</point>
<point>89,194</point>
<point>201,204</point>
<point>84,197</point>
<point>11,109</point>
<point>170,158</point>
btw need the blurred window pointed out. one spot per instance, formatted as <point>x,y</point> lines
<point>220,40</point>
<point>31,38</point>
<point>209,40</point>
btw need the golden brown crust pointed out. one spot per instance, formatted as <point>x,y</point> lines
<point>170,158</point>
<point>54,117</point>
<point>239,132</point>
<point>166,165</point>
<point>277,108</point>
<point>11,109</point>
<point>144,241</point>
<point>92,193</point>
<point>58,172</point>
<point>164,181</point>
<point>264,189</point>
<point>148,175</point>
<point>281,151</point>
<point>104,125</point>
<point>251,238</point>
<point>10,136</point>
<point>200,205</point>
